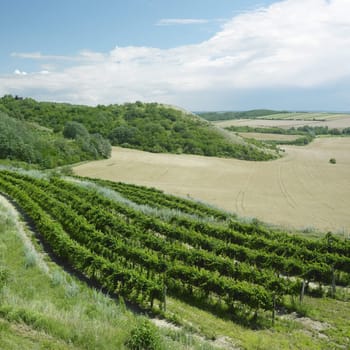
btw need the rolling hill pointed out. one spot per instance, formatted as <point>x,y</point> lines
<point>150,127</point>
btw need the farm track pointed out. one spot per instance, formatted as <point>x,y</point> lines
<point>284,190</point>
<point>240,199</point>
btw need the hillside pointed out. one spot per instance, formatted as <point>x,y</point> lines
<point>44,307</point>
<point>150,127</point>
<point>195,266</point>
<point>34,144</point>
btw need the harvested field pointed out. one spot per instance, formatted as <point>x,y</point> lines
<point>301,190</point>
<point>332,121</point>
<point>307,116</point>
<point>268,137</point>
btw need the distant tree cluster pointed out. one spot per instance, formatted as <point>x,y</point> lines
<point>30,143</point>
<point>306,133</point>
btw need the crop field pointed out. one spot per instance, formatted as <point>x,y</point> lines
<point>268,137</point>
<point>301,190</point>
<point>306,116</point>
<point>289,120</point>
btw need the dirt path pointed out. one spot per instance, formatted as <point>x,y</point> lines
<point>301,190</point>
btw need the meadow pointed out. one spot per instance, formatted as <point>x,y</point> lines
<point>302,190</point>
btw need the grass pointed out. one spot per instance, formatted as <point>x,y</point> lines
<point>288,333</point>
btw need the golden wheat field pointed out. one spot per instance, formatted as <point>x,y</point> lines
<point>301,190</point>
<point>333,122</point>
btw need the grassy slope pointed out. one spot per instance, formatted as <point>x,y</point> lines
<point>326,327</point>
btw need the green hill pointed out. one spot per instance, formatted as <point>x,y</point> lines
<point>150,127</point>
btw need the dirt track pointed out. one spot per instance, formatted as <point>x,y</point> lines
<point>301,190</point>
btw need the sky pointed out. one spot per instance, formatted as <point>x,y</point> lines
<point>201,55</point>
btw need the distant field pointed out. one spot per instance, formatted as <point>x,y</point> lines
<point>306,116</point>
<point>301,190</point>
<point>288,120</point>
<point>268,137</point>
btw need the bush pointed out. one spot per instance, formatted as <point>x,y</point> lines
<point>332,161</point>
<point>73,130</point>
<point>4,274</point>
<point>144,337</point>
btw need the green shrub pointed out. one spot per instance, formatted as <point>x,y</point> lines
<point>332,161</point>
<point>73,130</point>
<point>4,274</point>
<point>144,337</point>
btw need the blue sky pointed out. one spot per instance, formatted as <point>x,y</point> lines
<point>198,54</point>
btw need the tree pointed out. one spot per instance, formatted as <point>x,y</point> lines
<point>73,130</point>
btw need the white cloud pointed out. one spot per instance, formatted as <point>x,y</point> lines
<point>84,55</point>
<point>180,21</point>
<point>19,72</point>
<point>40,56</point>
<point>291,44</point>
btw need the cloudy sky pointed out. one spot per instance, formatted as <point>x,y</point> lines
<point>198,54</point>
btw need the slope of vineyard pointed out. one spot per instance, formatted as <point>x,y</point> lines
<point>45,307</point>
<point>130,241</point>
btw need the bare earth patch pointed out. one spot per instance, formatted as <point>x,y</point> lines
<point>221,342</point>
<point>311,327</point>
<point>300,190</point>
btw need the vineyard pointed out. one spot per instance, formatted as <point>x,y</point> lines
<point>118,236</point>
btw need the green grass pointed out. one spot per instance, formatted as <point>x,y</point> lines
<point>288,333</point>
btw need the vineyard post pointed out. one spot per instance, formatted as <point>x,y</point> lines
<point>164,297</point>
<point>273,309</point>
<point>302,291</point>
<point>333,282</point>
<point>152,300</point>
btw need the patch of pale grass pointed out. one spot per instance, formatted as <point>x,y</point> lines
<point>32,257</point>
<point>163,213</point>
